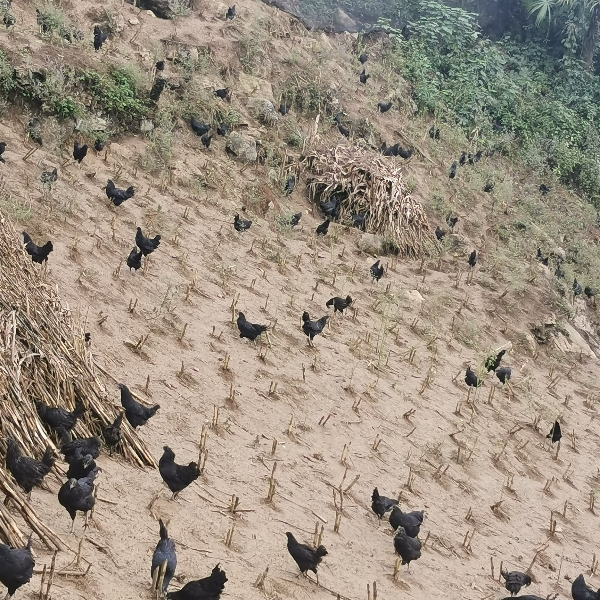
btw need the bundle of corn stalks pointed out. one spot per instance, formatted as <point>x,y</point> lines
<point>43,357</point>
<point>368,183</point>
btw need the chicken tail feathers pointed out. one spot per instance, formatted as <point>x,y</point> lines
<point>79,410</point>
<point>152,411</point>
<point>329,303</point>
<point>48,458</point>
<point>26,238</point>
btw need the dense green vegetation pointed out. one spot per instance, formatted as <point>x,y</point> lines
<point>512,95</point>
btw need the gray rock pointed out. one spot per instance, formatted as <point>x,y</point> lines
<point>265,112</point>
<point>343,21</point>
<point>372,244</point>
<point>91,124</point>
<point>243,147</point>
<point>146,126</point>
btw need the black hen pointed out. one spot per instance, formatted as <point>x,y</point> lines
<point>544,189</point>
<point>230,13</point>
<point>576,288</point>
<point>471,378</point>
<point>249,330</point>
<point>541,258</point>
<point>363,58</point>
<point>78,495</point>
<point>380,504</point>
<point>331,207</point>
<point>164,551</point>
<point>177,477</point>
<point>116,195</point>
<point>339,304</point>
<point>241,224</point>
<point>38,254</point>
<point>222,93</point>
<point>206,139</point>
<point>81,466</point>
<point>112,433</point>
<point>72,449</point>
<point>434,133</point>
<point>307,558</point>
<point>407,547</point>
<point>222,129</point>
<point>376,271</point>
<point>28,472</point>
<point>581,591</point>
<point>323,228</point>
<point>473,258</point>
<point>99,145</point>
<point>312,328</point>
<point>56,418</point>
<point>489,186</point>
<point>145,244</point>
<point>344,131</point>
<point>363,77</point>
<point>411,522</point>
<point>406,154</point>
<point>160,65</point>
<point>2,149</point>
<point>135,413</point>
<point>451,221</point>
<point>284,109</point>
<point>209,588</point>
<point>290,184</point>
<point>515,580</point>
<point>555,432</point>
<point>493,362</point>
<point>359,221</point>
<point>198,128</point>
<point>99,38</point>
<point>79,151</point>
<point>295,219</point>
<point>134,260</point>
<point>463,159</point>
<point>452,173</point>
<point>384,107</point>
<point>503,374</point>
<point>16,566</point>
<point>439,233</point>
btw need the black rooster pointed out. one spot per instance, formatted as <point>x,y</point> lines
<point>241,224</point>
<point>164,551</point>
<point>208,588</point>
<point>78,495</point>
<point>16,566</point>
<point>381,504</point>
<point>135,413</point>
<point>177,477</point>
<point>116,195</point>
<point>339,304</point>
<point>312,328</point>
<point>307,558</point>
<point>515,580</point>
<point>146,245</point>
<point>56,418</point>
<point>376,271</point>
<point>79,151</point>
<point>38,254</point>
<point>28,472</point>
<point>249,330</point>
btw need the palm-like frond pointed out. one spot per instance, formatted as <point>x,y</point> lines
<point>542,9</point>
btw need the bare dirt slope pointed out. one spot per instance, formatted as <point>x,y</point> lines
<point>389,383</point>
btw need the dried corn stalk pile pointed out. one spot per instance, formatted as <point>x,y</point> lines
<point>43,357</point>
<point>375,185</point>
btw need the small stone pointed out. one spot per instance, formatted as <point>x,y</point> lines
<point>134,21</point>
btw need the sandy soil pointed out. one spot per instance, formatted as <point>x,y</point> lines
<point>481,473</point>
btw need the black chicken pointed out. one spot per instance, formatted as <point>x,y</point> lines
<point>471,378</point>
<point>473,259</point>
<point>363,77</point>
<point>112,433</point>
<point>515,580</point>
<point>463,159</point>
<point>381,504</point>
<point>407,547</point>
<point>164,551</point>
<point>222,93</point>
<point>339,304</point>
<point>434,132</point>
<point>38,254</point>
<point>160,65</point>
<point>99,38</point>
<point>503,374</point>
<point>135,413</point>
<point>406,154</point>
<point>323,228</point>
<point>307,558</point>
<point>56,418</point>
<point>206,139</point>
<point>376,271</point>
<point>411,522</point>
<point>295,219</point>
<point>134,260</point>
<point>489,186</point>
<point>199,128</point>
<point>451,221</point>
<point>208,588</point>
<point>290,184</point>
<point>116,195</point>
<point>145,244</point>
<point>344,131</point>
<point>452,173</point>
<point>284,109</point>
<point>249,330</point>
<point>384,107</point>
<point>589,291</point>
<point>241,224</point>
<point>576,288</point>
<point>2,150</point>
<point>544,189</point>
<point>363,58</point>
<point>177,477</point>
<point>78,495</point>
<point>541,258</point>
<point>81,466</point>
<point>359,220</point>
<point>581,591</point>
<point>71,449</point>
<point>28,472</point>
<point>439,233</point>
<point>230,12</point>
<point>555,432</point>
<point>222,129</point>
<point>493,362</point>
<point>99,145</point>
<point>79,151</point>
<point>478,156</point>
<point>16,566</point>
<point>330,208</point>
<point>312,328</point>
